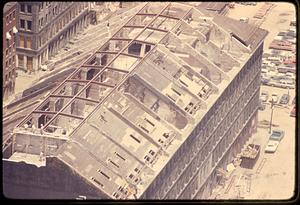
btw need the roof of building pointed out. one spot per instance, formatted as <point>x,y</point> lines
<point>124,140</point>
<point>213,6</point>
<point>8,6</point>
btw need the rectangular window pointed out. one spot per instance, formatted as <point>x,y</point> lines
<point>22,23</point>
<point>97,182</point>
<point>14,14</point>
<point>21,61</point>
<point>28,42</point>
<point>22,41</point>
<point>104,174</point>
<point>29,8</point>
<point>133,137</point>
<point>29,27</point>
<point>22,7</point>
<point>29,63</point>
<point>119,156</point>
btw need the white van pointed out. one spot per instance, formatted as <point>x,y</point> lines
<point>244,19</point>
<point>274,59</point>
<point>284,83</point>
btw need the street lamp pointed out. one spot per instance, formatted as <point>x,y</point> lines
<point>272,108</point>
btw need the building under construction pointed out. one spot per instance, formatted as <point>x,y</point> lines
<point>169,98</point>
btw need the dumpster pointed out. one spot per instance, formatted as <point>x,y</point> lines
<point>250,156</point>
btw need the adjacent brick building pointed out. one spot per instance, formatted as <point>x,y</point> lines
<point>9,48</point>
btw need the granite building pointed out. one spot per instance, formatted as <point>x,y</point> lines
<point>171,97</point>
<point>45,27</point>
<point>9,32</point>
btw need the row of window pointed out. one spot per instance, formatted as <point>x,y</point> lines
<point>10,74</point>
<point>58,24</point>
<point>10,49</point>
<point>10,17</point>
<point>10,42</point>
<point>29,64</point>
<point>222,145</point>
<point>25,41</point>
<point>25,24</point>
<point>25,8</point>
<point>9,62</point>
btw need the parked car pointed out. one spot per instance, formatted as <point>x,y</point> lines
<point>265,81</point>
<point>277,135</point>
<point>271,146</point>
<point>264,96</point>
<point>274,97</point>
<point>293,112</point>
<point>285,98</point>
<point>261,106</point>
<point>293,23</point>
<point>287,83</point>
<point>294,101</point>
<point>282,33</point>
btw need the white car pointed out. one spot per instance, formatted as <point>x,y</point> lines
<point>274,96</point>
<point>271,146</point>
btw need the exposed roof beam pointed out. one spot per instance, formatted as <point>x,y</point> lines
<point>109,63</point>
<point>44,112</point>
<point>128,39</point>
<point>76,71</point>
<point>108,68</point>
<point>126,77</point>
<point>87,81</point>
<point>161,15</point>
<point>131,55</point>
<point>169,17</point>
<point>70,115</point>
<point>87,99</point>
<point>148,27</point>
<point>157,29</point>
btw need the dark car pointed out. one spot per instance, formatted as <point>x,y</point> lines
<point>285,98</point>
<point>277,135</point>
<point>282,33</point>
<point>293,112</point>
<point>291,34</point>
<point>294,101</point>
<point>265,81</point>
<point>261,106</point>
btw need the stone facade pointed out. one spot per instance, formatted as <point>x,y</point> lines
<point>45,27</point>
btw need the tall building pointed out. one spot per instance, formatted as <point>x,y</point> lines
<point>45,27</point>
<point>171,97</point>
<point>9,48</point>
